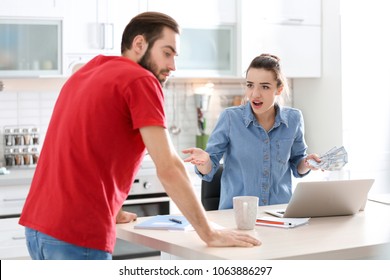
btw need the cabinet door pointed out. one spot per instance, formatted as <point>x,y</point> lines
<point>197,13</point>
<point>80,26</point>
<point>120,12</point>
<point>299,48</point>
<point>306,12</point>
<point>289,29</point>
<point>12,240</point>
<point>84,32</point>
<point>35,8</point>
<point>30,47</point>
<point>12,199</point>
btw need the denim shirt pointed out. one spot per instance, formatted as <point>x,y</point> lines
<point>256,162</point>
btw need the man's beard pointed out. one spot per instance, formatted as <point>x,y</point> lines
<point>147,63</point>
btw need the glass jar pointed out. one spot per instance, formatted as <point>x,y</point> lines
<point>27,158</point>
<point>9,157</point>
<point>18,157</point>
<point>26,136</point>
<point>34,155</point>
<point>17,137</point>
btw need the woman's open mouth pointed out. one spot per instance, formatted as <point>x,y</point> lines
<point>257,104</point>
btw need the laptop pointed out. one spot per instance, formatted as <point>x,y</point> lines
<point>326,198</point>
<point>381,198</point>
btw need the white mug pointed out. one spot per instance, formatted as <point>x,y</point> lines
<point>245,211</point>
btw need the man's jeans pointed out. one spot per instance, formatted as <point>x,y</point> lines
<point>45,247</point>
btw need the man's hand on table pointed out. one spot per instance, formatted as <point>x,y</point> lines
<point>231,238</point>
<point>125,217</point>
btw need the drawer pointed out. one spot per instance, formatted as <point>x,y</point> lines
<point>12,199</point>
<point>12,240</point>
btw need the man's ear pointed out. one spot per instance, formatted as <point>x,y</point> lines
<point>139,45</point>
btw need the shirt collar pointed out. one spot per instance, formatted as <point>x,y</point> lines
<point>281,116</point>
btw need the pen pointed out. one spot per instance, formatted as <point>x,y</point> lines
<point>273,222</point>
<point>175,220</point>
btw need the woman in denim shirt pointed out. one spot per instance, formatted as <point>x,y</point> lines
<point>261,142</point>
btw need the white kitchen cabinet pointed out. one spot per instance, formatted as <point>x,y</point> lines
<point>306,12</point>
<point>31,34</point>
<point>14,188</point>
<point>208,44</point>
<point>30,47</point>
<point>12,240</point>
<point>197,13</point>
<point>12,199</point>
<point>290,29</point>
<point>80,26</point>
<point>94,27</point>
<point>35,8</point>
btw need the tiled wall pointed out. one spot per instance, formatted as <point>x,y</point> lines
<point>184,115</point>
<point>25,109</point>
<point>34,107</point>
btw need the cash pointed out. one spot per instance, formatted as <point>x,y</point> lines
<point>332,160</point>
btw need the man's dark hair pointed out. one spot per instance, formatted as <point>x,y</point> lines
<point>148,24</point>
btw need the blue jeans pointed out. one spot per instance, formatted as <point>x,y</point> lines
<point>44,247</point>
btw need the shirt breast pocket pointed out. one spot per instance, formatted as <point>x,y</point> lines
<point>283,150</point>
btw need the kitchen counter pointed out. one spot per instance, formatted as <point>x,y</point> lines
<point>17,177</point>
<point>365,235</point>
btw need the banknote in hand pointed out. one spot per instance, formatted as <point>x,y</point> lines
<point>332,160</point>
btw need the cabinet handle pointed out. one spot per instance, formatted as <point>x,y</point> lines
<point>18,237</point>
<point>287,21</point>
<point>295,20</point>
<point>107,36</point>
<point>13,199</point>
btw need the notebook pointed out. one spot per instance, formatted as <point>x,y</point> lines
<point>170,222</point>
<point>326,198</point>
<point>165,222</point>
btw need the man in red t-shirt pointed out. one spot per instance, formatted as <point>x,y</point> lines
<point>106,115</point>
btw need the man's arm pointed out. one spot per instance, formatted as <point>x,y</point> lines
<point>176,181</point>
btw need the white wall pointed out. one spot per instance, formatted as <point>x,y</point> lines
<point>366,94</point>
<point>350,104</point>
<point>320,99</point>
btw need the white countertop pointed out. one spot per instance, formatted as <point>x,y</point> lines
<point>17,177</point>
<point>24,176</point>
<point>364,235</point>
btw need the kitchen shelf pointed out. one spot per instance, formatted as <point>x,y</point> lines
<point>21,146</point>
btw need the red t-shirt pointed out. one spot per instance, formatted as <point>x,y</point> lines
<point>92,151</point>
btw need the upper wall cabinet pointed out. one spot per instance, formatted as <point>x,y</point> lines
<point>31,38</point>
<point>93,27</point>
<point>290,29</point>
<point>86,28</point>
<point>30,47</point>
<point>196,13</point>
<point>32,8</point>
<point>208,43</point>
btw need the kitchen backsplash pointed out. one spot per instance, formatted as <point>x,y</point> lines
<point>183,118</point>
<point>25,109</point>
<point>34,107</point>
